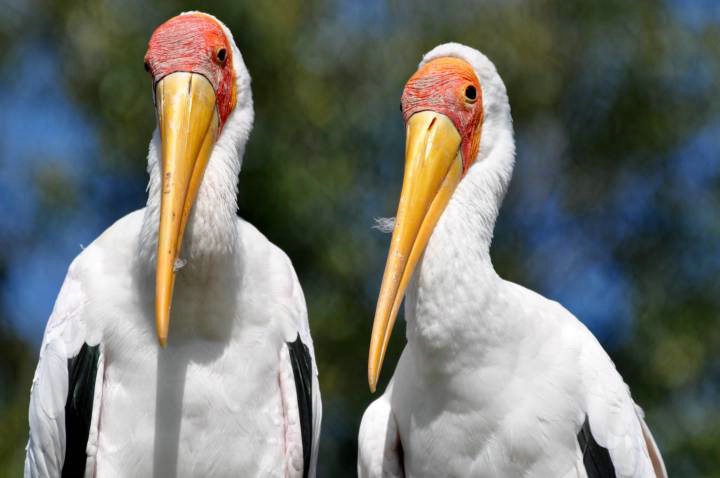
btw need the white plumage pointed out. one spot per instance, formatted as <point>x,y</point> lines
<point>221,399</point>
<point>495,380</point>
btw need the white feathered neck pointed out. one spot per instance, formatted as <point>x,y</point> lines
<point>211,232</point>
<point>455,278</point>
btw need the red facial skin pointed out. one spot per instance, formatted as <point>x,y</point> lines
<point>191,43</point>
<point>441,86</point>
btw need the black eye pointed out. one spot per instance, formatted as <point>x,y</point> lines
<point>470,93</point>
<point>147,66</point>
<point>221,55</point>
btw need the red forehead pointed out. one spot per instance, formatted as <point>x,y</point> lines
<point>190,43</point>
<point>440,85</point>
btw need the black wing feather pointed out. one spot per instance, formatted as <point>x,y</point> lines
<point>82,370</point>
<point>595,457</point>
<point>302,373</point>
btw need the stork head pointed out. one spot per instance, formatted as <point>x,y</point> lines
<point>194,65</point>
<point>452,103</point>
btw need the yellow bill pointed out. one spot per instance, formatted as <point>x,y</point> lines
<point>188,123</point>
<point>433,169</point>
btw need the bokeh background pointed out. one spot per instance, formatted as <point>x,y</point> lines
<point>614,209</point>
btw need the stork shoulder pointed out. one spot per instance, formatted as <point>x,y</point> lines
<point>122,237</point>
<point>115,245</point>
<point>74,294</point>
<point>559,324</point>
<point>266,262</point>
<point>272,272</point>
<point>606,405</point>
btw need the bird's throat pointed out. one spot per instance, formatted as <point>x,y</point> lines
<point>211,234</point>
<point>455,285</point>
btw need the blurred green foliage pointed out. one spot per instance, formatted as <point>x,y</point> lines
<point>605,90</point>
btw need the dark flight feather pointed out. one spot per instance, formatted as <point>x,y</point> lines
<point>302,373</point>
<point>82,370</point>
<point>595,458</point>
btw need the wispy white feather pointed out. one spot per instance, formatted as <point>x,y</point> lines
<point>384,224</point>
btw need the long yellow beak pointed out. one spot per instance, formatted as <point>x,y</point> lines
<point>433,169</point>
<point>188,123</point>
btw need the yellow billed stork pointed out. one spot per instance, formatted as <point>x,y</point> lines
<point>495,380</point>
<point>231,389</point>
